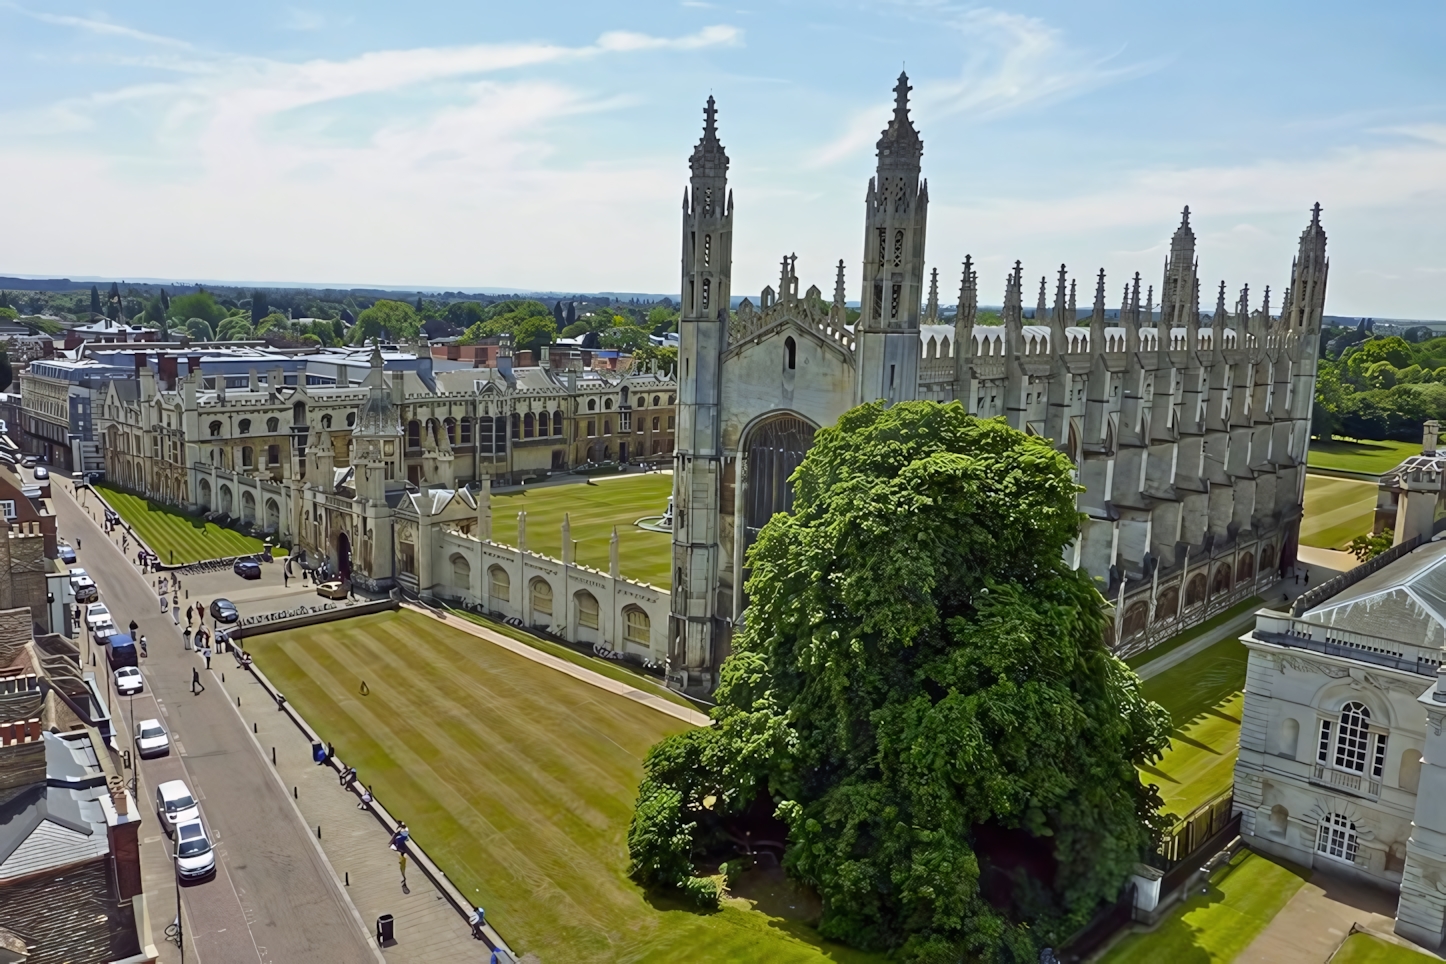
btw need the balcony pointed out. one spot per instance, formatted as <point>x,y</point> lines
<point>1355,783</point>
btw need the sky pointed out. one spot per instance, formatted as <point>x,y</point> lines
<point>544,146</point>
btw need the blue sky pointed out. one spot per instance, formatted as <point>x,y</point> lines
<point>544,145</point>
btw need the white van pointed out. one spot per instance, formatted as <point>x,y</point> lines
<point>175,805</point>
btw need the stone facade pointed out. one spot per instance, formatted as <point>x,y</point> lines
<point>1189,438</point>
<point>1340,742</point>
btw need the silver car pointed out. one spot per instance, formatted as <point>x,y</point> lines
<point>194,857</point>
<point>151,739</point>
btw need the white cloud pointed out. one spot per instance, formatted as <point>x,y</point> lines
<point>103,28</point>
<point>1010,62</point>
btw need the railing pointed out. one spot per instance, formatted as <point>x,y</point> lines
<point>1340,644</point>
<point>1355,783</point>
<point>1314,597</point>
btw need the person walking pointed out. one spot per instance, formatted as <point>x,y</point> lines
<point>366,799</point>
<point>285,575</point>
<point>190,614</point>
<point>196,685</point>
<point>175,612</point>
<point>143,646</point>
<point>134,627</point>
<point>478,920</point>
<point>402,865</point>
<point>207,653</point>
<point>186,637</point>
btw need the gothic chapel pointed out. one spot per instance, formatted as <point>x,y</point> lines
<point>1189,434</point>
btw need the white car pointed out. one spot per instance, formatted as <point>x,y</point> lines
<point>78,573</point>
<point>103,631</point>
<point>194,856</point>
<point>128,681</point>
<point>95,614</point>
<point>175,805</point>
<point>151,739</point>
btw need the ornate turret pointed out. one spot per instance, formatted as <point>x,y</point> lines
<point>895,215</point>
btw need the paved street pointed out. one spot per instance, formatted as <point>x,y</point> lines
<point>274,898</point>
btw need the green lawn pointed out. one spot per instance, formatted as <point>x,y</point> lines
<point>1214,622</point>
<point>612,669</point>
<point>1353,456</point>
<point>1204,695</point>
<point>1336,510</point>
<point>593,509</point>
<point>519,781</point>
<point>1214,927</point>
<point>174,536</point>
<point>1363,948</point>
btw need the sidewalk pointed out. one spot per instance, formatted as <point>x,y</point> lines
<point>428,927</point>
<point>1314,922</point>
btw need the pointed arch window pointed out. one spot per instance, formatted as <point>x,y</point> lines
<point>898,249</point>
<point>707,250</point>
<point>790,348</point>
<point>707,291</point>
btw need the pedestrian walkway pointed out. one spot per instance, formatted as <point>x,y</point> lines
<point>1314,922</point>
<point>428,926</point>
<point>686,714</point>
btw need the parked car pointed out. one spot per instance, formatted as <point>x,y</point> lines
<point>194,857</point>
<point>120,650</point>
<point>97,613</point>
<point>336,589</point>
<point>128,681</point>
<point>103,631</point>
<point>224,611</point>
<point>175,805</point>
<point>84,586</point>
<point>247,568</point>
<point>151,739</point>
<point>41,473</point>
<point>28,461</point>
<point>66,553</point>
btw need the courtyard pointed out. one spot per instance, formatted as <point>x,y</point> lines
<point>1204,695</point>
<point>173,535</point>
<point>519,781</point>
<point>593,509</point>
<point>1336,511</point>
<point>1351,455</point>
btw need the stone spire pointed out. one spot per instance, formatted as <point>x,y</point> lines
<point>931,307</point>
<point>709,158</point>
<point>969,291</point>
<point>1097,317</point>
<point>1217,326</point>
<point>840,292</point>
<point>900,141</point>
<point>1041,308</point>
<point>1308,277</point>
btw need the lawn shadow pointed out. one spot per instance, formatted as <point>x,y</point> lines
<point>1177,736</point>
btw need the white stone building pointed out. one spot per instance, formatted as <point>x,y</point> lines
<point>1342,760</point>
<point>1190,440</point>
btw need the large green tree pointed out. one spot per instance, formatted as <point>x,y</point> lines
<point>388,320</point>
<point>922,695</point>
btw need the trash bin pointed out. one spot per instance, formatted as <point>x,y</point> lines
<point>318,754</point>
<point>384,929</point>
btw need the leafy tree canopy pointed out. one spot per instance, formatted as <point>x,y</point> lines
<point>530,323</point>
<point>922,695</point>
<point>199,304</point>
<point>625,337</point>
<point>388,320</point>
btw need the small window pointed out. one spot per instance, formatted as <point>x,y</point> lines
<point>639,627</point>
<point>248,457</point>
<point>670,423</point>
<point>273,455</point>
<point>7,507</point>
<point>516,425</point>
<point>592,405</point>
<point>655,423</point>
<point>529,426</point>
<point>350,419</point>
<point>607,426</point>
<point>215,429</point>
<point>790,347</point>
<point>1337,837</point>
<point>655,400</point>
<point>414,434</point>
<point>465,429</point>
<point>608,404</point>
<point>244,426</point>
<point>642,401</point>
<point>557,423</point>
<point>326,421</point>
<point>672,400</point>
<point>591,428</point>
<point>272,424</point>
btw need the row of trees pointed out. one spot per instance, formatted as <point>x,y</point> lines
<point>1372,387</point>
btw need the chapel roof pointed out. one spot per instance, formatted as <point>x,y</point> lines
<point>1403,601</point>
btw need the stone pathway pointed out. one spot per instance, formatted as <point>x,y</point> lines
<point>428,925</point>
<point>1313,923</point>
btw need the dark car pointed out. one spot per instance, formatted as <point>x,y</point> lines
<point>247,568</point>
<point>41,473</point>
<point>67,554</point>
<point>224,611</point>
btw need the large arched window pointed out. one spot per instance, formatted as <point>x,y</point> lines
<point>774,449</point>
<point>326,421</point>
<point>557,423</point>
<point>248,457</point>
<point>461,572</point>
<point>541,591</point>
<point>516,425</point>
<point>1353,738</point>
<point>544,425</point>
<point>1135,619</point>
<point>1195,591</point>
<point>1337,837</point>
<point>529,426</point>
<point>592,404</point>
<point>414,434</point>
<point>587,609</point>
<point>1168,605</point>
<point>1221,583</point>
<point>1245,568</point>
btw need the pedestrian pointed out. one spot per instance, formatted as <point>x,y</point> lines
<point>285,575</point>
<point>196,685</point>
<point>207,653</point>
<point>186,637</point>
<point>402,863</point>
<point>348,774</point>
<point>143,646</point>
<point>77,543</point>
<point>1307,578</point>
<point>478,920</point>
<point>400,838</point>
<point>190,614</point>
<point>175,613</point>
<point>134,627</point>
<point>165,603</point>
<point>366,798</point>
<point>330,750</point>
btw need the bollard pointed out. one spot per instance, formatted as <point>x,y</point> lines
<point>294,794</point>
<point>273,756</point>
<point>253,728</point>
<point>223,679</point>
<point>238,699</point>
<point>318,831</point>
<point>348,878</point>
